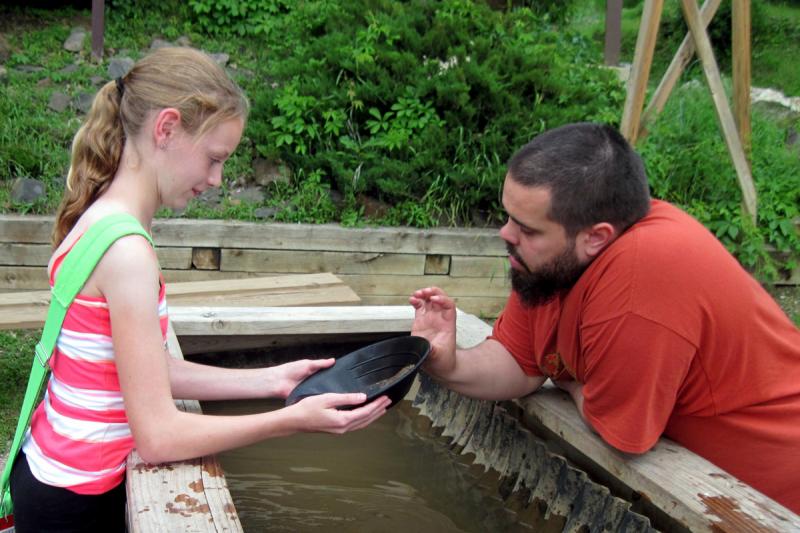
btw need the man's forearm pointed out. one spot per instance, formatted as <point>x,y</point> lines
<point>487,372</point>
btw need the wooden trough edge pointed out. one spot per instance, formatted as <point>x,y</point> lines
<point>687,488</point>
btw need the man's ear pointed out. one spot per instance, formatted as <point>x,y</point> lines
<point>594,240</point>
<point>166,125</point>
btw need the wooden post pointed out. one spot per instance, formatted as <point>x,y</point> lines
<point>613,31</point>
<point>692,15</point>
<point>682,57</point>
<point>640,70</point>
<point>741,70</point>
<point>98,28</point>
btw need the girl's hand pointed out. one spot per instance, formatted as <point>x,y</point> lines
<point>284,378</point>
<point>320,414</point>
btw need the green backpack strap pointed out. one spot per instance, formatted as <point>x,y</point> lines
<point>78,265</point>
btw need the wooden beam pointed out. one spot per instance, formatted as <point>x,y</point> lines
<point>28,310</point>
<point>682,58</point>
<point>741,70</point>
<point>98,28</point>
<point>730,133</point>
<point>640,70</point>
<point>179,496</point>
<point>613,36</point>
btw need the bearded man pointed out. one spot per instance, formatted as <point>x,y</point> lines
<point>635,309</point>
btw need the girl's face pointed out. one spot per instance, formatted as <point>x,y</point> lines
<point>192,165</point>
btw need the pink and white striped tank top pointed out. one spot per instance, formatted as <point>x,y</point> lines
<point>79,436</point>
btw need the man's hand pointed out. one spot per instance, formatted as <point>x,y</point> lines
<point>435,320</point>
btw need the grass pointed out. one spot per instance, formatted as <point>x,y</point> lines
<point>16,349</point>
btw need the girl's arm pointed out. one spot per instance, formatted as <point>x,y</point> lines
<point>127,276</point>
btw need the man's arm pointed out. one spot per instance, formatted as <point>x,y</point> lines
<point>487,371</point>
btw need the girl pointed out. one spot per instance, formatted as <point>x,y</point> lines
<point>157,137</point>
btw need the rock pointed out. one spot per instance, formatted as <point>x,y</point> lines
<point>266,212</point>
<point>246,194</point>
<point>44,82</point>
<point>83,102</point>
<point>211,197</point>
<point>58,102</point>
<point>26,190</point>
<point>160,43</point>
<point>337,198</point>
<point>183,40</point>
<point>97,81</point>
<point>69,69</point>
<point>28,69</point>
<point>74,42</point>
<point>3,75</point>
<point>266,172</point>
<point>221,58</point>
<point>119,66</point>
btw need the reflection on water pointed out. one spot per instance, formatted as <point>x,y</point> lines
<point>384,478</point>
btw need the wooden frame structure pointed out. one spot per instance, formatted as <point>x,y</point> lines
<point>193,496</point>
<point>736,132</point>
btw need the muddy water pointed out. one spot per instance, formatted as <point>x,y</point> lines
<point>385,478</point>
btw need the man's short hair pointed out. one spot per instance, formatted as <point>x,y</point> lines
<point>592,173</point>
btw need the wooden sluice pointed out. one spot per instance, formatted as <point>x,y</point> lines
<point>536,454</point>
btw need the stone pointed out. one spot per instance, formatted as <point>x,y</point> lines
<point>74,42</point>
<point>221,58</point>
<point>3,75</point>
<point>69,69</point>
<point>58,102</point>
<point>27,190</point>
<point>263,213</point>
<point>246,194</point>
<point>28,69</point>
<point>266,171</point>
<point>97,80</point>
<point>160,43</point>
<point>83,102</point>
<point>119,66</point>
<point>211,197</point>
<point>183,40</point>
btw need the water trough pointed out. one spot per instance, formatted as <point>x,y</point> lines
<point>535,454</point>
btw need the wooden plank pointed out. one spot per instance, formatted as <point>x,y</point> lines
<point>20,254</point>
<point>679,62</point>
<point>179,496</point>
<point>289,320</point>
<point>27,310</point>
<point>486,307</point>
<point>289,261</point>
<point>691,490</point>
<point>254,235</point>
<point>14,254</point>
<point>479,267</point>
<point>405,285</point>
<point>640,70</point>
<point>741,70</point>
<point>730,133</point>
<point>613,34</point>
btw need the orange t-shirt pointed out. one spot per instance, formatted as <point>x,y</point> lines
<point>670,335</point>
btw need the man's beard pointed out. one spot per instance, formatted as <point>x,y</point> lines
<point>553,278</point>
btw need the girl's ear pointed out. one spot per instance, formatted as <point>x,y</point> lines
<point>594,240</point>
<point>166,126</point>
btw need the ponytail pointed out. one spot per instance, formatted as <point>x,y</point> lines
<point>96,151</point>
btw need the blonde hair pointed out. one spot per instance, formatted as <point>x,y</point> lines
<point>183,78</point>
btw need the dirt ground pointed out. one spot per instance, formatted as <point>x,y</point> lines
<point>788,297</point>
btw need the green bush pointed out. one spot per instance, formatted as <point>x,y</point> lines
<point>405,101</point>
